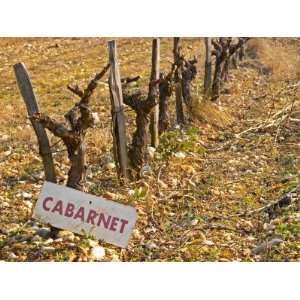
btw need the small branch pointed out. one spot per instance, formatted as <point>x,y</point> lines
<point>76,90</point>
<point>127,80</point>
<point>55,127</point>
<point>93,84</point>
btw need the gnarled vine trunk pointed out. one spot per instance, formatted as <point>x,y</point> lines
<point>80,119</point>
<point>142,105</point>
<point>165,92</point>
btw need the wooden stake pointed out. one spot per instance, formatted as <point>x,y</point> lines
<point>177,77</point>
<point>208,73</point>
<point>25,87</point>
<point>153,91</point>
<point>118,120</point>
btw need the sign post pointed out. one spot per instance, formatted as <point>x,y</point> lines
<point>82,213</point>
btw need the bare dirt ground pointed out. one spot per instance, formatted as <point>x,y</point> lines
<point>204,177</point>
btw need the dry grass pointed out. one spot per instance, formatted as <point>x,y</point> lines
<point>208,112</point>
<point>278,55</point>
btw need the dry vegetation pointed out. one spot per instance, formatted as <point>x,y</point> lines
<point>202,176</point>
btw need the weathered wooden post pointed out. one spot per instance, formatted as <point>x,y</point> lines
<point>118,120</point>
<point>208,73</point>
<point>154,121</point>
<point>26,90</point>
<point>177,78</point>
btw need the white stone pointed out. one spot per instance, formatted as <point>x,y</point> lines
<point>4,138</point>
<point>4,204</point>
<point>180,154</point>
<point>110,166</point>
<point>48,249</point>
<point>131,192</point>
<point>95,118</point>
<point>208,243</point>
<point>66,235</point>
<point>12,255</point>
<point>194,222</point>
<point>7,153</point>
<point>97,253</point>
<point>26,195</point>
<point>151,151</point>
<point>48,242</point>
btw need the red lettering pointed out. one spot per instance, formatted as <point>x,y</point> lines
<point>102,220</point>
<point>45,201</point>
<point>92,215</point>
<point>58,207</point>
<point>124,222</point>
<point>113,224</point>
<point>69,210</point>
<point>80,214</point>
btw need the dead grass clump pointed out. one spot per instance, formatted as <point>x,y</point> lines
<point>208,112</point>
<point>280,57</point>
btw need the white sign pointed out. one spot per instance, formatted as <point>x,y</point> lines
<point>83,213</point>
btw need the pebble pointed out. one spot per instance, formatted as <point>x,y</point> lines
<point>26,195</point>
<point>150,229</point>
<point>4,138</point>
<point>208,243</point>
<point>4,205</point>
<point>180,154</point>
<point>194,222</point>
<point>59,240</point>
<point>151,151</point>
<point>66,235</point>
<point>7,153</point>
<point>12,255</point>
<point>95,117</point>
<point>266,245</point>
<point>110,166</point>
<point>131,192</point>
<point>97,253</point>
<point>268,227</point>
<point>48,249</point>
<point>43,232</point>
<point>48,242</point>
